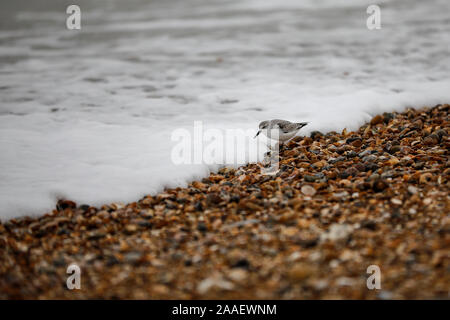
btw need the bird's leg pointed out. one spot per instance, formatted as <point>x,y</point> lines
<point>272,148</point>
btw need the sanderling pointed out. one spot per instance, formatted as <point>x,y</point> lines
<point>280,130</point>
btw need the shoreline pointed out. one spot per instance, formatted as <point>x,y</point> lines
<point>340,203</point>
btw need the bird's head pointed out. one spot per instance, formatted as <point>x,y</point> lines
<point>262,125</point>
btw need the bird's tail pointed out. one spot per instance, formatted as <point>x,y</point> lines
<point>301,124</point>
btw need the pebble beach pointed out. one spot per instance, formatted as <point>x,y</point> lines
<point>340,203</point>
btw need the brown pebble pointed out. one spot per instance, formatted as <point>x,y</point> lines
<point>376,120</point>
<point>130,228</point>
<point>432,139</point>
<point>65,204</point>
<point>425,178</point>
<point>300,272</point>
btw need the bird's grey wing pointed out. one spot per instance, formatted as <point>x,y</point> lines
<point>287,126</point>
<point>279,123</point>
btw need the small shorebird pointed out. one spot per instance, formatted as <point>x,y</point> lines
<point>280,130</point>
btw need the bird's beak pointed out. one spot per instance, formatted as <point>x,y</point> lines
<point>257,134</point>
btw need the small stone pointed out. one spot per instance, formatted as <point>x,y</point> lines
<point>341,194</point>
<point>357,143</point>
<point>319,175</point>
<point>393,161</point>
<point>387,116</point>
<point>130,228</point>
<point>103,214</point>
<point>213,198</point>
<point>441,133</point>
<point>364,153</point>
<point>289,232</point>
<point>235,198</point>
<point>376,120</point>
<point>307,190</point>
<point>387,174</point>
<point>316,135</point>
<point>352,171</point>
<point>238,275</point>
<point>65,204</point>
<point>132,257</point>
<point>369,224</point>
<point>300,272</point>
<point>242,223</point>
<point>425,178</point>
<point>385,295</point>
<point>96,235</point>
<point>432,139</point>
<point>369,158</point>
<point>413,190</point>
<point>147,214</point>
<point>212,282</point>
<point>144,223</point>
<point>379,185</point>
<point>345,282</point>
<point>394,149</point>
<point>198,185</point>
<point>84,207</point>
<point>198,206</point>
<point>201,226</point>
<point>370,166</point>
<point>337,232</point>
<point>351,154</point>
<point>319,164</point>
